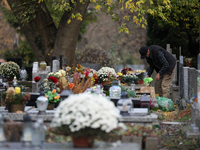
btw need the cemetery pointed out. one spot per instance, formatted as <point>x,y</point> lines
<point>87,75</point>
<point>139,117</point>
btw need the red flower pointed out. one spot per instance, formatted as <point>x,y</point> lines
<point>52,78</point>
<point>37,78</point>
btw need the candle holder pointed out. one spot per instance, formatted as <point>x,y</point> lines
<point>27,131</point>
<point>2,136</point>
<point>42,103</point>
<point>115,90</point>
<point>124,104</point>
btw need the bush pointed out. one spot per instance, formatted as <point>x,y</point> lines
<point>95,54</point>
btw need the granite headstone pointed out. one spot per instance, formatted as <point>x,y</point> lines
<point>192,82</point>
<point>181,77</point>
<point>56,66</point>
<point>185,70</point>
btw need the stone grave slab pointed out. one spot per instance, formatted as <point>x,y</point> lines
<point>139,112</point>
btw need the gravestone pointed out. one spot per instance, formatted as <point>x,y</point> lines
<point>174,81</point>
<point>61,61</point>
<point>177,77</point>
<point>55,66</point>
<point>43,75</point>
<point>181,77</point>
<point>34,87</point>
<point>65,61</point>
<point>48,69</point>
<point>185,70</point>
<point>168,48</point>
<point>192,82</point>
<point>35,70</point>
<point>29,73</point>
<point>198,83</point>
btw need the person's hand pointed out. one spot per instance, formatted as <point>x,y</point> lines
<point>158,76</point>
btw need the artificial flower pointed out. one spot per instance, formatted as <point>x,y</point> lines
<point>37,79</point>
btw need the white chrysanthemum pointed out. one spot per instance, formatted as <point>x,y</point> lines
<point>51,74</point>
<point>62,72</point>
<point>86,110</point>
<point>106,70</point>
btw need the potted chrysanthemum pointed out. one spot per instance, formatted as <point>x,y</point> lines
<point>10,69</point>
<point>85,116</point>
<point>15,99</point>
<point>106,76</point>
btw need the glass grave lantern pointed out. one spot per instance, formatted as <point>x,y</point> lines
<point>27,130</point>
<point>2,135</point>
<point>115,90</point>
<point>23,74</point>
<point>124,104</point>
<point>145,102</point>
<point>65,94</point>
<point>42,103</point>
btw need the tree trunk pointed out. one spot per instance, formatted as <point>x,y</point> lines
<point>67,34</point>
<point>40,31</point>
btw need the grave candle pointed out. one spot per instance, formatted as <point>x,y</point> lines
<point>27,130</point>
<point>2,136</point>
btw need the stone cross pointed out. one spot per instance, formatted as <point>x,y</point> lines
<point>181,77</point>
<point>56,66</point>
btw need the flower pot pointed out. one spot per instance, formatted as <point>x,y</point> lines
<point>106,87</point>
<point>140,81</point>
<point>83,141</point>
<point>15,107</point>
<point>9,79</point>
<point>50,106</point>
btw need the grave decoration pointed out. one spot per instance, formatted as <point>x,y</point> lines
<point>15,99</point>
<point>106,75</point>
<point>148,80</point>
<point>127,75</point>
<point>27,131</point>
<point>80,85</point>
<point>53,97</point>
<point>47,84</point>
<point>10,69</point>
<point>85,123</point>
<point>115,90</point>
<point>42,103</point>
<point>2,135</point>
<point>124,104</point>
<point>98,89</point>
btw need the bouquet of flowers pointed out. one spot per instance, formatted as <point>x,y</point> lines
<point>71,118</point>
<point>53,96</point>
<point>140,74</point>
<point>128,78</point>
<point>126,70</point>
<point>15,96</point>
<point>106,75</point>
<point>47,84</point>
<point>9,70</point>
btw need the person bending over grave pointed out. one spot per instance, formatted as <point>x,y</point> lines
<point>164,63</point>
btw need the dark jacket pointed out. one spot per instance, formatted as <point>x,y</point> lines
<point>154,62</point>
